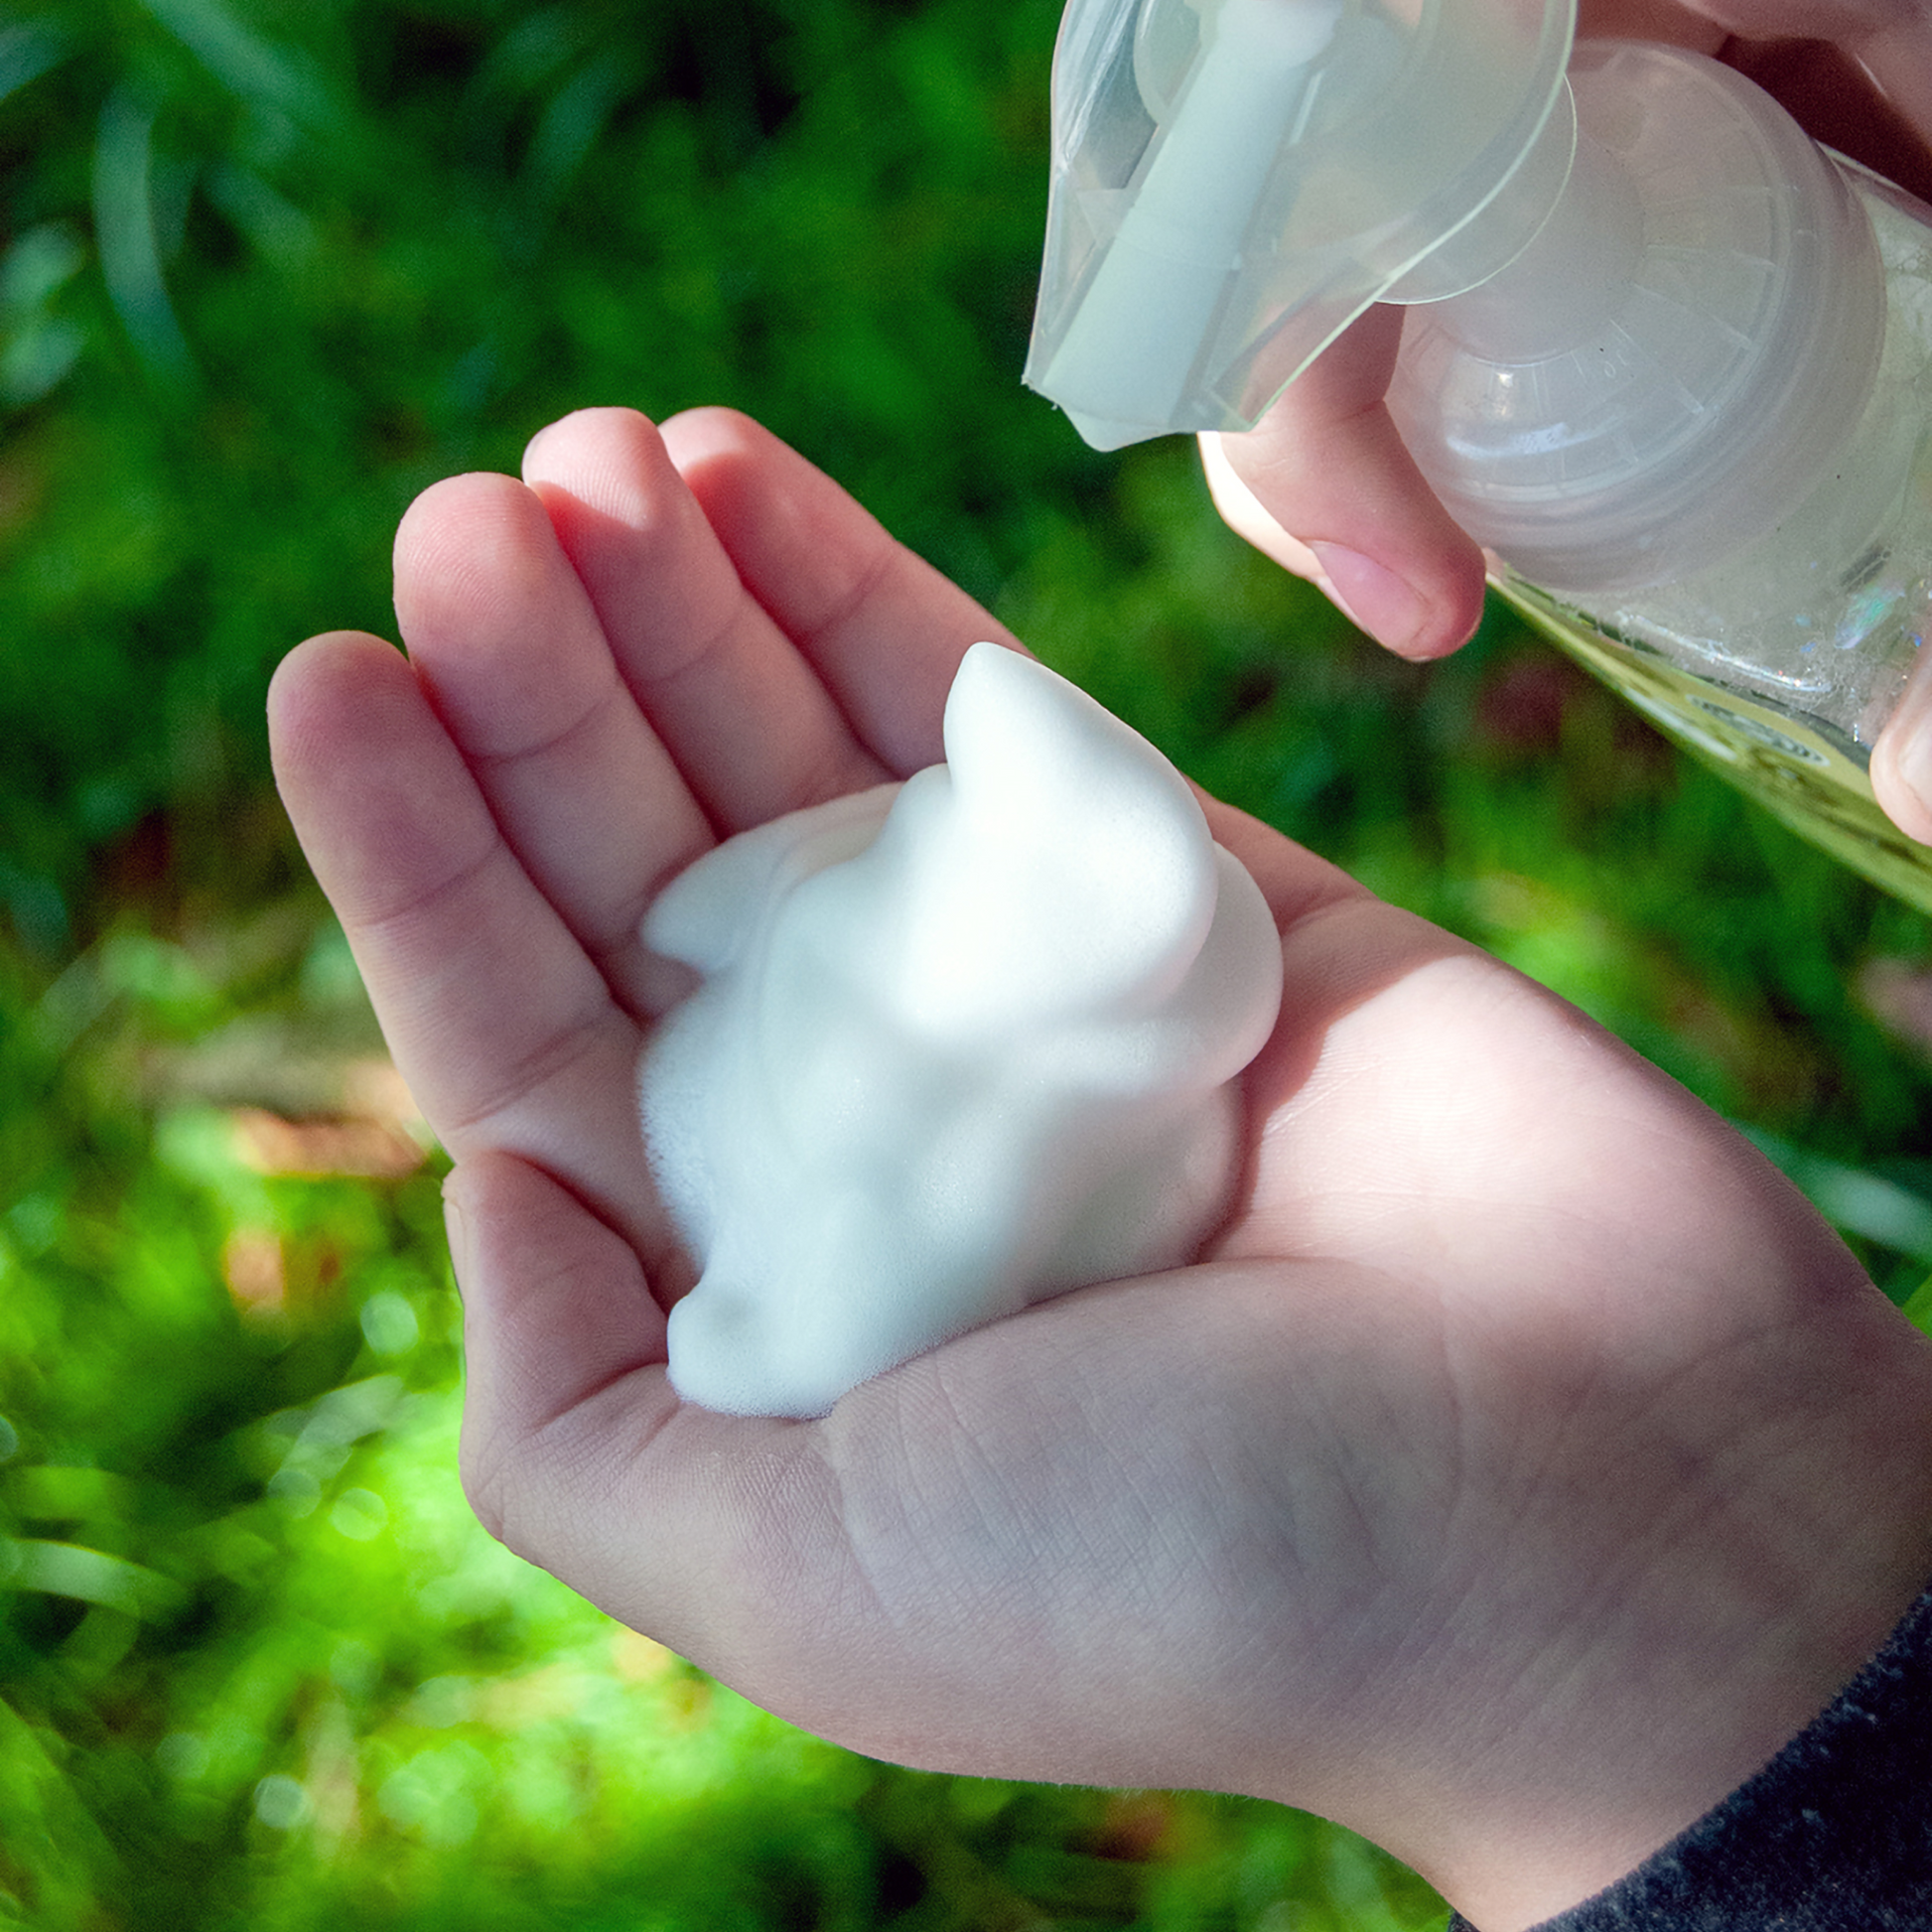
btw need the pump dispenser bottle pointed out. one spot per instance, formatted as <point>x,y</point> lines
<point>1665,358</point>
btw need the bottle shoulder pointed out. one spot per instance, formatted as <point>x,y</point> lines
<point>1721,377</point>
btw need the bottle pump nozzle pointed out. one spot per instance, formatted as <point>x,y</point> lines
<point>1235,181</point>
<point>1133,337</point>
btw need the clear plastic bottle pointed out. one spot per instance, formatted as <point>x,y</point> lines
<point>1666,359</point>
<point>1765,612</point>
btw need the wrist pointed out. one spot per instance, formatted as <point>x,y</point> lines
<point>1728,1623</point>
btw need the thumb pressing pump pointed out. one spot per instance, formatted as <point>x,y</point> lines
<point>1665,358</point>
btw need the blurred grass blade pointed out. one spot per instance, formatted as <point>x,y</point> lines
<point>251,67</point>
<point>1861,1202</point>
<point>125,233</point>
<point>279,230</point>
<point>569,129</point>
<point>38,348</point>
<point>72,1493</point>
<point>1917,1305</point>
<point>1878,1209</point>
<point>28,50</point>
<point>86,1575</point>
<point>37,265</point>
<point>50,1820</point>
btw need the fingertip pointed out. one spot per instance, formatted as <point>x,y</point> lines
<point>1376,600</point>
<point>542,452</point>
<point>454,540</point>
<point>323,677</point>
<point>1415,622</point>
<point>313,658</point>
<point>737,472</point>
<point>1450,613</point>
<point>599,456</point>
<point>712,430</point>
<point>1325,486</point>
<point>1901,760</point>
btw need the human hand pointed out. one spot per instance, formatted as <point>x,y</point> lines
<point>1324,484</point>
<point>1521,1466</point>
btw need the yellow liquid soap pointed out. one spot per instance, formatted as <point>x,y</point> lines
<point>1807,775</point>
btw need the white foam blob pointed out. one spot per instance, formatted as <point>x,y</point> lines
<point>960,1044</point>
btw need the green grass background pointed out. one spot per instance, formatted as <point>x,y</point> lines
<point>267,267</point>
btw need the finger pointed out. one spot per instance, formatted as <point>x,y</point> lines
<point>1671,21</point>
<point>505,1032</point>
<point>884,629</point>
<point>1328,490</point>
<point>1902,759</point>
<point>747,720</point>
<point>1897,143</point>
<point>1820,57</point>
<point>505,644</point>
<point>1856,73</point>
<point>1785,19</point>
<point>1870,98</point>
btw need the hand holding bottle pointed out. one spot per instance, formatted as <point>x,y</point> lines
<point>1325,486</point>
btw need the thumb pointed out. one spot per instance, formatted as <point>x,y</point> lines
<point>1324,486</point>
<point>559,1327</point>
<point>577,1454</point>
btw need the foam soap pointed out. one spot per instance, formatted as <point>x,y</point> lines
<point>959,1045</point>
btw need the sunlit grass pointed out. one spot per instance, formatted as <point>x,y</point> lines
<point>268,268</point>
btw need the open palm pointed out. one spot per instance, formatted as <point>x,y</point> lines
<point>1488,1477</point>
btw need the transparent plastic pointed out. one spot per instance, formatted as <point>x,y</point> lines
<point>1779,664</point>
<point>1767,614</point>
<point>1665,357</point>
<point>1235,181</point>
<point>1824,613</point>
<point>1669,367</point>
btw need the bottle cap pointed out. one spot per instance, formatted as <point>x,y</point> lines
<point>1681,357</point>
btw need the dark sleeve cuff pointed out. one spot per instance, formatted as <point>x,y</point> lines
<point>1834,1834</point>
